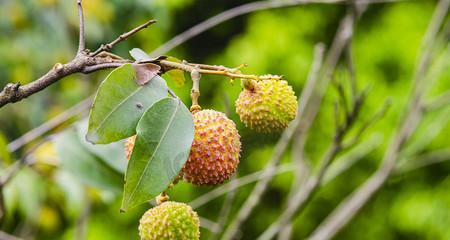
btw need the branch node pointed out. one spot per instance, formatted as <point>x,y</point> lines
<point>59,67</point>
<point>11,90</point>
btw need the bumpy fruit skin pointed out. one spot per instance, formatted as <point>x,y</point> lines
<point>215,150</point>
<point>267,105</point>
<point>170,221</point>
<point>129,144</point>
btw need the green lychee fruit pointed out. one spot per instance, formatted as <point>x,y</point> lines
<point>215,150</point>
<point>267,105</point>
<point>170,221</point>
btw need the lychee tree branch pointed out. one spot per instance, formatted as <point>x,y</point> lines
<point>81,63</point>
<point>192,32</point>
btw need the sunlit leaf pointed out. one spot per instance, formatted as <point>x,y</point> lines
<point>120,103</point>
<point>175,74</point>
<point>164,138</point>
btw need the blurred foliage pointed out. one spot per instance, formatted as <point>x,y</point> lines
<point>45,201</point>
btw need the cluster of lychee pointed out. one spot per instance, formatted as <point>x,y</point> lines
<point>263,105</point>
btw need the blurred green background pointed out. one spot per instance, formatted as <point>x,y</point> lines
<point>48,202</point>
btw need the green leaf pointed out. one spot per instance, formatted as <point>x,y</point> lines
<point>25,183</point>
<point>120,103</point>
<point>83,165</point>
<point>113,154</point>
<point>140,55</point>
<point>176,75</point>
<point>164,137</point>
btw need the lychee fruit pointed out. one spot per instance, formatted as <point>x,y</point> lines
<point>170,221</point>
<point>215,150</point>
<point>266,105</point>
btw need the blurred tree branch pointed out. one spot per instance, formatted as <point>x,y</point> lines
<point>242,10</point>
<point>302,120</point>
<point>424,160</point>
<point>39,131</point>
<point>342,215</point>
<point>6,236</point>
<point>301,195</point>
<point>438,102</point>
<point>312,105</point>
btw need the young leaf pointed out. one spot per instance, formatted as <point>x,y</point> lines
<point>164,137</point>
<point>175,74</point>
<point>120,103</point>
<point>139,55</point>
<point>85,166</point>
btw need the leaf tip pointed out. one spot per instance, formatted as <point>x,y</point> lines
<point>92,138</point>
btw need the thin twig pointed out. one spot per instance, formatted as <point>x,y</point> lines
<point>81,40</point>
<point>6,236</point>
<point>82,221</point>
<point>123,37</point>
<point>342,215</point>
<point>211,70</point>
<point>438,102</point>
<point>107,65</point>
<point>238,182</point>
<point>299,139</point>
<point>343,163</point>
<point>12,170</point>
<point>225,211</point>
<point>209,225</point>
<point>424,160</point>
<point>377,116</point>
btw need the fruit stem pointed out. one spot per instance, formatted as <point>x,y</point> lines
<point>248,84</point>
<point>195,91</point>
<point>161,198</point>
<point>213,70</point>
